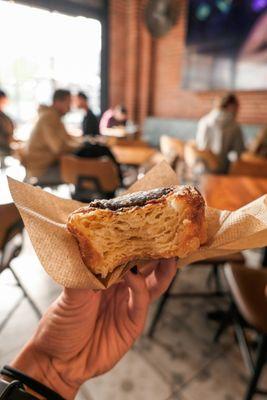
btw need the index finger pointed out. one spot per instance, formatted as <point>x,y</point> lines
<point>160,279</point>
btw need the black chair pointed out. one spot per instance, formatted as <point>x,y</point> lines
<point>11,241</point>
<point>249,310</point>
<point>216,265</point>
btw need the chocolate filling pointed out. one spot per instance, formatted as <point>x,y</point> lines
<point>131,200</point>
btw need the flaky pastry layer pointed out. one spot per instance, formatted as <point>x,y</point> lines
<point>160,223</point>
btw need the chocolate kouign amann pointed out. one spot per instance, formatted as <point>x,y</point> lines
<point>160,223</point>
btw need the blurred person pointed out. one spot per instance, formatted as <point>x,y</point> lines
<point>219,132</point>
<point>49,140</point>
<point>259,145</point>
<point>90,124</point>
<point>113,121</point>
<point>84,333</point>
<point>6,125</point>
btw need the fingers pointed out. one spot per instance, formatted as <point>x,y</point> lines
<point>160,279</point>
<point>146,267</point>
<point>138,298</point>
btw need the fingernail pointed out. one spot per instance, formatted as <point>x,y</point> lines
<point>134,270</point>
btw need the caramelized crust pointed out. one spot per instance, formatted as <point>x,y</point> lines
<point>160,223</point>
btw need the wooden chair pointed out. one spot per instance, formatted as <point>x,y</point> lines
<point>194,156</point>
<point>248,289</point>
<point>92,177</point>
<point>10,247</point>
<point>155,159</point>
<point>249,165</point>
<point>172,148</point>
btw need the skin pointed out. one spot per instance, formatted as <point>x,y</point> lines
<point>233,109</point>
<point>3,102</point>
<point>81,103</point>
<point>63,106</point>
<point>85,333</point>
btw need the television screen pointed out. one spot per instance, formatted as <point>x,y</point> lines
<point>226,45</point>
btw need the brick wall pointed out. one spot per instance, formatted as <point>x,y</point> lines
<point>145,74</point>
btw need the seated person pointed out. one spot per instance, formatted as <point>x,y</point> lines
<point>219,132</point>
<point>6,125</point>
<point>89,149</point>
<point>49,140</point>
<point>259,145</point>
<point>90,124</point>
<point>113,121</point>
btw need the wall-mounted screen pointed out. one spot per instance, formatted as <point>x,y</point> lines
<point>226,45</point>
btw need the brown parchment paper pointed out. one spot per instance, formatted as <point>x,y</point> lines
<point>45,216</point>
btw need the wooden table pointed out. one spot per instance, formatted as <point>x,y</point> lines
<point>132,155</point>
<point>227,192</point>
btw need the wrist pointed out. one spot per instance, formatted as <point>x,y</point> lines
<point>38,366</point>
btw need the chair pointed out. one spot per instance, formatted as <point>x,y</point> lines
<point>92,177</point>
<point>249,165</point>
<point>51,182</point>
<point>172,148</point>
<point>10,247</point>
<point>248,288</point>
<point>155,159</point>
<point>199,161</point>
<point>216,265</point>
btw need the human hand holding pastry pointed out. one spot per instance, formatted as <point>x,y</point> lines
<point>85,333</point>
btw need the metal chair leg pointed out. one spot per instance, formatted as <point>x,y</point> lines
<point>162,303</point>
<point>26,294</point>
<point>261,359</point>
<point>226,321</point>
<point>242,341</point>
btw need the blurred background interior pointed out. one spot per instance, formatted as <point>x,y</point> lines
<point>93,94</point>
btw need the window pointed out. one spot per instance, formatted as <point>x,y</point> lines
<point>42,51</point>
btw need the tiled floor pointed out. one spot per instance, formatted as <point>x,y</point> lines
<point>181,363</point>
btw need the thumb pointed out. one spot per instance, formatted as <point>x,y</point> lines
<point>79,299</point>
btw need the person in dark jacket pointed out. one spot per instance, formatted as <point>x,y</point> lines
<point>90,124</point>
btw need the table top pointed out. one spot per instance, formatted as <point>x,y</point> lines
<point>116,133</point>
<point>132,155</point>
<point>227,192</point>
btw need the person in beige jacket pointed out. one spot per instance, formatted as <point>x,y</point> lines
<point>49,140</point>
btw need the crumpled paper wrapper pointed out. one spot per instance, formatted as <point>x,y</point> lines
<point>45,217</point>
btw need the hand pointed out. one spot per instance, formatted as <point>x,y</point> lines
<point>85,333</point>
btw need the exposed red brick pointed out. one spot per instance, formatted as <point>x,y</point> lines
<point>145,74</point>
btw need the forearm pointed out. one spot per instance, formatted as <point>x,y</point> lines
<point>38,366</point>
